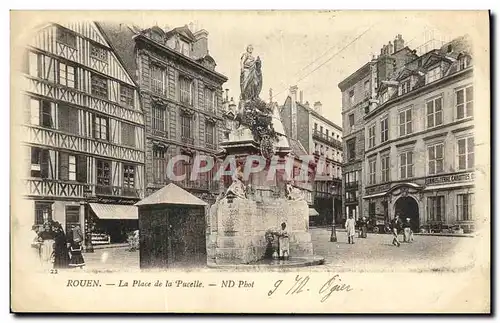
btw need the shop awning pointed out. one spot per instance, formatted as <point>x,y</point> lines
<point>115,211</point>
<point>374,195</point>
<point>313,212</point>
<point>447,186</point>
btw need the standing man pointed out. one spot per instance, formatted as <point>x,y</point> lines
<point>350,226</point>
<point>395,226</point>
<point>407,230</point>
<point>363,226</point>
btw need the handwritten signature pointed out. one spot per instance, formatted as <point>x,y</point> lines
<point>301,284</point>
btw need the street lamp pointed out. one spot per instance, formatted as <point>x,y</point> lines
<point>333,236</point>
<point>89,247</point>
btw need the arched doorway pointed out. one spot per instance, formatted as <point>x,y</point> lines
<point>407,207</point>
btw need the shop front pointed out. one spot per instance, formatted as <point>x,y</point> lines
<point>442,203</point>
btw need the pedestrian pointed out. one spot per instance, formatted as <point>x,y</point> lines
<point>363,226</point>
<point>395,227</point>
<point>75,248</point>
<point>61,253</point>
<point>350,226</point>
<point>407,231</point>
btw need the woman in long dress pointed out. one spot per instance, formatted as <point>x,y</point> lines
<point>251,75</point>
<point>61,255</point>
<point>350,226</point>
<point>47,246</point>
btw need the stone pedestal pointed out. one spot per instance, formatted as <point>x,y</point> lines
<point>238,228</point>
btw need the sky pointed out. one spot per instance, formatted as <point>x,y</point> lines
<point>314,50</point>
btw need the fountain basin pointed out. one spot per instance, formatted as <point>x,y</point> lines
<point>292,262</point>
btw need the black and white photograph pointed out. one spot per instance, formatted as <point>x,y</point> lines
<point>298,161</point>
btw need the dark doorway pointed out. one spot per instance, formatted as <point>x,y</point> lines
<point>407,207</point>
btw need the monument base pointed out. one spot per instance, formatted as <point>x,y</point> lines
<point>238,230</point>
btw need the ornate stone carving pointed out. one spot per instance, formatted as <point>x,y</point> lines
<point>293,193</point>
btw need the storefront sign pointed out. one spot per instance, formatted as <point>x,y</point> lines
<point>377,189</point>
<point>449,179</point>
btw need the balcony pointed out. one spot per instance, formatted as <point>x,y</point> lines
<point>187,140</point>
<point>210,145</point>
<point>351,199</point>
<point>327,139</point>
<point>351,185</point>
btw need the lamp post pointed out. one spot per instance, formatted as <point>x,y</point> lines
<point>89,247</point>
<point>333,236</point>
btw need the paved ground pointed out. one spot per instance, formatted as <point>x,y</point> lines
<point>375,253</point>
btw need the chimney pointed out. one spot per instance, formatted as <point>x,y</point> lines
<point>200,45</point>
<point>227,95</point>
<point>317,106</point>
<point>399,43</point>
<point>301,97</point>
<point>293,93</point>
<point>293,111</point>
<point>390,48</point>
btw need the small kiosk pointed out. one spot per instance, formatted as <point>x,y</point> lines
<point>172,229</point>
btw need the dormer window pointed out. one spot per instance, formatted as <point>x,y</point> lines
<point>384,97</point>
<point>464,62</point>
<point>184,48</point>
<point>157,37</point>
<point>433,75</point>
<point>404,87</point>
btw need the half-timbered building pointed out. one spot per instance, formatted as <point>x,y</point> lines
<point>84,129</point>
<point>182,98</point>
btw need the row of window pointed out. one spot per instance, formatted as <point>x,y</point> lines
<point>464,207</point>
<point>73,167</point>
<point>159,84</point>
<point>67,74</point>
<point>160,160</point>
<point>434,116</point>
<point>435,161</point>
<point>327,132</point>
<point>159,124</point>
<point>404,87</point>
<point>48,114</point>
<point>325,151</point>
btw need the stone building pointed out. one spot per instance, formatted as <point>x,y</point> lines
<point>84,130</point>
<point>419,138</point>
<point>322,138</point>
<point>182,99</point>
<point>358,89</point>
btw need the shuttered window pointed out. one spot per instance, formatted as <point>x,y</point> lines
<point>128,134</point>
<point>40,162</point>
<point>99,85</point>
<point>67,118</point>
<point>72,167</point>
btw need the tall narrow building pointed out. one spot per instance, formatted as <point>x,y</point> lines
<point>84,131</point>
<point>182,97</point>
<point>322,139</point>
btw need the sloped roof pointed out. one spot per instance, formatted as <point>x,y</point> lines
<point>114,211</point>
<point>121,40</point>
<point>171,194</point>
<point>297,148</point>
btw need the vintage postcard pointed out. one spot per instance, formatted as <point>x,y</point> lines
<point>250,161</point>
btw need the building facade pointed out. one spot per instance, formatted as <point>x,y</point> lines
<point>84,129</point>
<point>322,138</point>
<point>419,139</point>
<point>182,99</point>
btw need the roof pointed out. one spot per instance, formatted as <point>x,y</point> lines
<point>297,148</point>
<point>121,40</point>
<point>114,211</point>
<point>353,78</point>
<point>319,116</point>
<point>171,194</point>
